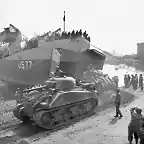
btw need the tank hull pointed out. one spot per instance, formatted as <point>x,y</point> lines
<point>65,108</point>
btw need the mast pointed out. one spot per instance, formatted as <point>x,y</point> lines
<point>64,21</point>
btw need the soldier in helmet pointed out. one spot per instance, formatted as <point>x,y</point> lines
<point>117,103</point>
<point>19,95</point>
<point>134,125</point>
<point>58,72</point>
<point>116,80</point>
<point>141,81</point>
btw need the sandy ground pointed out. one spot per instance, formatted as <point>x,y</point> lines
<point>101,129</point>
<point>98,129</point>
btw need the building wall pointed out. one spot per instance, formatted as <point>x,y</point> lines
<point>140,51</point>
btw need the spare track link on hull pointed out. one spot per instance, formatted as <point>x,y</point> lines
<point>57,117</point>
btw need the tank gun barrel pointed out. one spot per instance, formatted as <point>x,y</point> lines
<point>37,88</point>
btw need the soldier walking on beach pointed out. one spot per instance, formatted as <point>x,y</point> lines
<point>117,103</point>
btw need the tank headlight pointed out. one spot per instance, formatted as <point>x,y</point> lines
<point>43,103</point>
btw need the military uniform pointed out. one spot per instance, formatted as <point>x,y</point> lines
<point>19,95</point>
<point>134,125</point>
<point>58,72</point>
<point>117,103</point>
<point>142,131</point>
<point>116,80</point>
<point>141,81</point>
<point>136,81</point>
<point>126,81</point>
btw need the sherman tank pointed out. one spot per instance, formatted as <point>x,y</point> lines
<point>58,102</point>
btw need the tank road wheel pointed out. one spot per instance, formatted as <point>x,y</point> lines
<point>82,110</point>
<point>93,104</point>
<point>46,121</point>
<point>87,107</point>
<point>74,111</point>
<point>67,116</point>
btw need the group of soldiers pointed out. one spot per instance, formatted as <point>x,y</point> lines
<point>74,34</point>
<point>33,43</point>
<point>133,80</point>
<point>136,125</point>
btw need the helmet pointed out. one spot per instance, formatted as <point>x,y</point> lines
<point>138,110</point>
<point>117,90</point>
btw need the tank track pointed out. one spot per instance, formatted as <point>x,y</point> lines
<point>63,115</point>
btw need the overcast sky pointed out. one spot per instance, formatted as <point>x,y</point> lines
<point>112,24</point>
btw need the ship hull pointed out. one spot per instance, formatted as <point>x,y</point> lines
<point>12,77</point>
<point>33,66</point>
<point>72,63</point>
<point>11,71</point>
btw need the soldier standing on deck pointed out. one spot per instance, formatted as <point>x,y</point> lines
<point>117,103</point>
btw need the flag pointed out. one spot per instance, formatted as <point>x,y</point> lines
<point>55,55</point>
<point>64,17</point>
<point>55,60</point>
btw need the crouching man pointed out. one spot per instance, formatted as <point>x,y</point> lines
<point>134,125</point>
